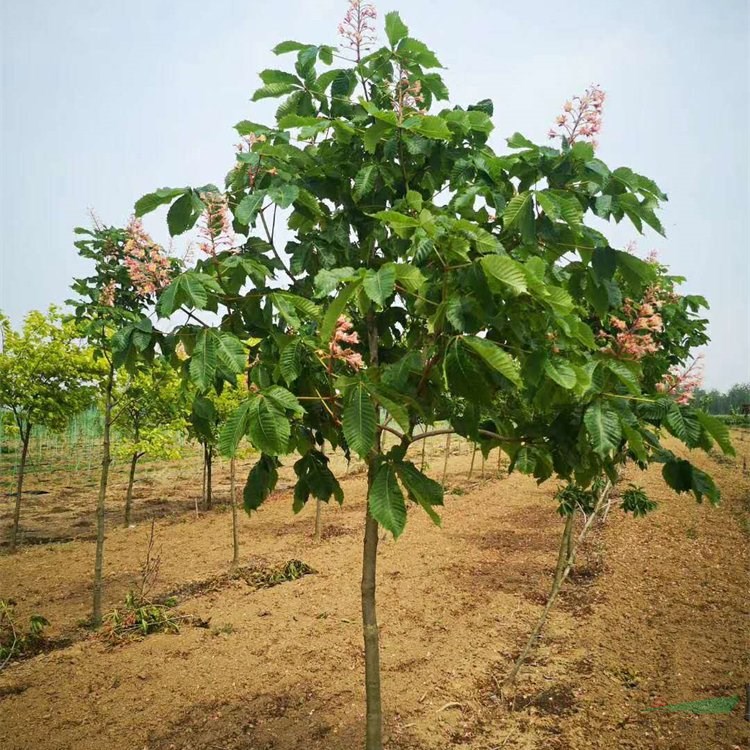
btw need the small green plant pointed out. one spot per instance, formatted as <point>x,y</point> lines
<point>14,642</point>
<point>139,617</point>
<point>635,501</point>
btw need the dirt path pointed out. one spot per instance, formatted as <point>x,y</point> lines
<point>658,611</point>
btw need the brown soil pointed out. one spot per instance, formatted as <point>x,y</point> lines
<point>657,612</point>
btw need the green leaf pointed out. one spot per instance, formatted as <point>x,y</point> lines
<point>279,76</point>
<point>268,427</point>
<point>421,489</point>
<point>231,353</point>
<point>290,360</point>
<point>359,420</point>
<point>183,213</point>
<point>561,372</point>
<point>152,201</point>
<point>283,399</point>
<point>261,482</point>
<point>379,285</point>
<point>248,207</point>
<point>519,141</point>
<point>505,270</point>
<point>375,133</point>
<point>717,430</point>
<point>388,399</point>
<point>635,442</point>
<point>496,357</point>
<point>233,430</point>
<point>288,46</point>
<point>395,28</point>
<point>283,195</point>
<point>386,502</point>
<point>203,362</point>
<point>400,223</point>
<point>272,90</point>
<point>603,426</point>
<point>364,182</point>
<point>430,126</point>
<point>316,479</point>
<point>627,372</point>
<point>519,213</point>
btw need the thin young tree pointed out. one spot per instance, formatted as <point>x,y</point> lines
<point>47,377</point>
<point>426,279</point>
<point>129,268</point>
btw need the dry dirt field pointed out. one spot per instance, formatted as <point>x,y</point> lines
<point>656,612</point>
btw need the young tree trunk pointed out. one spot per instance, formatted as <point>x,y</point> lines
<point>445,461</point>
<point>319,511</point>
<point>374,729</point>
<point>209,487</point>
<point>424,449</point>
<point>106,460</point>
<point>203,481</point>
<point>563,567</point>
<point>473,456</point>
<point>235,529</point>
<point>131,482</point>
<point>25,437</point>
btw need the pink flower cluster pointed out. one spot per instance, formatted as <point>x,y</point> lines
<point>215,228</point>
<point>107,296</point>
<point>148,265</point>
<point>357,28</point>
<point>681,384</point>
<point>581,117</point>
<point>407,95</point>
<point>633,336</point>
<point>344,335</point>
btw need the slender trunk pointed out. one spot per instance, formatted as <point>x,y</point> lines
<point>374,721</point>
<point>482,474</point>
<point>473,456</point>
<point>445,461</point>
<point>209,488</point>
<point>235,529</point>
<point>131,482</point>
<point>499,461</point>
<point>106,460</point>
<point>424,449</point>
<point>374,728</point>
<point>19,487</point>
<point>203,484</point>
<point>563,567</point>
<point>319,511</point>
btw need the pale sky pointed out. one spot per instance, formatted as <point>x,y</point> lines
<point>105,100</point>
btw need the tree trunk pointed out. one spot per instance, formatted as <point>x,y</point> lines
<point>209,487</point>
<point>106,460</point>
<point>374,730</point>
<point>131,482</point>
<point>235,529</point>
<point>473,456</point>
<point>319,511</point>
<point>564,562</point>
<point>203,482</point>
<point>445,461</point>
<point>424,449</point>
<point>19,487</point>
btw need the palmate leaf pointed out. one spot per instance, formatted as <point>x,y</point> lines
<point>386,501</point>
<point>360,420</point>
<point>233,430</point>
<point>603,426</point>
<point>290,360</point>
<point>501,268</point>
<point>316,479</point>
<point>203,362</point>
<point>519,214</point>
<point>682,425</point>
<point>261,482</point>
<point>421,489</point>
<point>395,28</point>
<point>231,352</point>
<point>268,427</point>
<point>496,357</point>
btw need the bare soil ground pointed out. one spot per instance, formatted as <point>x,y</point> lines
<point>657,612</point>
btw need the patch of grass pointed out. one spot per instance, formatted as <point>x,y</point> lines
<point>15,642</point>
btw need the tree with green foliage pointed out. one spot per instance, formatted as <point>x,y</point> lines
<point>151,412</point>
<point>129,268</point>
<point>427,279</point>
<point>46,378</point>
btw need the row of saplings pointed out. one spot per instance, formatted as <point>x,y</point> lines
<point>425,279</point>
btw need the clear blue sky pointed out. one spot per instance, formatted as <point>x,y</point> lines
<point>104,101</point>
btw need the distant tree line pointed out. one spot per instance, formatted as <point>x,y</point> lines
<point>731,402</point>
